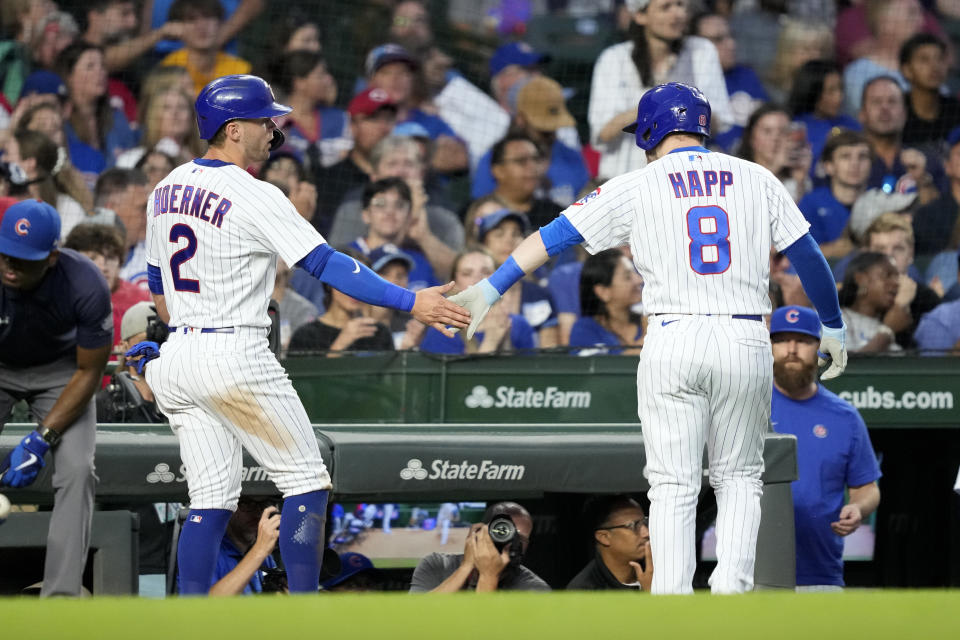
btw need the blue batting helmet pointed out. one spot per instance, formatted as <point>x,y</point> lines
<point>668,108</point>
<point>238,97</point>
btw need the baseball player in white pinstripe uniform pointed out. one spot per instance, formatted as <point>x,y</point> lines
<point>701,226</point>
<point>213,236</point>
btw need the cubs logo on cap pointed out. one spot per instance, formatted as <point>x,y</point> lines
<point>795,320</point>
<point>30,230</point>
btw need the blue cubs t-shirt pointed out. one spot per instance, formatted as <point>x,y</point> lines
<point>567,175</point>
<point>587,332</point>
<point>833,452</point>
<point>564,287</point>
<point>827,216</point>
<point>521,337</point>
<point>70,308</point>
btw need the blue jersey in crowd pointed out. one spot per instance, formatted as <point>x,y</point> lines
<point>939,330</point>
<point>521,337</point>
<point>746,94</point>
<point>833,452</point>
<point>567,175</point>
<point>818,130</point>
<point>827,216</point>
<point>587,332</point>
<point>564,287</point>
<point>70,308</point>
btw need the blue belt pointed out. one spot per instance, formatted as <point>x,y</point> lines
<point>738,316</point>
<point>201,329</point>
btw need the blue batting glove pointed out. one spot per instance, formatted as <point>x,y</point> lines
<point>145,351</point>
<point>22,465</point>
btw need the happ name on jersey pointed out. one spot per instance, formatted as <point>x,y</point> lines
<point>165,200</point>
<point>700,182</point>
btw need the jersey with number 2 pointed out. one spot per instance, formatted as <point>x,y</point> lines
<point>700,225</point>
<point>215,232</point>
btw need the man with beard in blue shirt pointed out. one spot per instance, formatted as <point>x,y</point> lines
<point>833,452</point>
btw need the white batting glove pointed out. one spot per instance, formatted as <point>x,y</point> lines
<point>477,299</point>
<point>833,352</point>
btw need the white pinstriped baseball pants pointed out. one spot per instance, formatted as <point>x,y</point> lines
<point>221,391</point>
<point>704,381</point>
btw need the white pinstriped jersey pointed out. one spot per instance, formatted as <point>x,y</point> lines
<point>215,232</point>
<point>700,225</point>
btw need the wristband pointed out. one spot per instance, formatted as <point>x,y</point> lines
<point>50,436</point>
<point>506,276</point>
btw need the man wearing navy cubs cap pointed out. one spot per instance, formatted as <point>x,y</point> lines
<point>833,451</point>
<point>56,332</point>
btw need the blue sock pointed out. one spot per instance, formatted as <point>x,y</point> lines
<point>302,534</point>
<point>198,549</point>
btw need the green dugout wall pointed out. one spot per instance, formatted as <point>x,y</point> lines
<point>910,404</point>
<point>554,388</point>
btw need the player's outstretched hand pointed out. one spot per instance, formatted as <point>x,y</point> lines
<point>142,353</point>
<point>477,298</point>
<point>833,352</point>
<point>433,310</point>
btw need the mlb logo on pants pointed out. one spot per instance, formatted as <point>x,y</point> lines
<point>196,518</point>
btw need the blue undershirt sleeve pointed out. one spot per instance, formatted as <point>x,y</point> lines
<point>560,234</point>
<point>354,279</point>
<point>816,278</point>
<point>154,280</point>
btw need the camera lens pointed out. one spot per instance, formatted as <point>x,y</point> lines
<point>502,530</point>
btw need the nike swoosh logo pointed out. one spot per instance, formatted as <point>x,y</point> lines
<point>33,458</point>
<point>666,322</point>
<point>356,264</point>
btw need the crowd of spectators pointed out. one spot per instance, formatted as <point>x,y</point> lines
<point>442,132</point>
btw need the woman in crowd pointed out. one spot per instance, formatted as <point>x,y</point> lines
<point>155,165</point>
<point>769,141</point>
<point>658,51</point>
<point>346,325</point>
<point>47,118</point>
<point>169,125</point>
<point>501,331</point>
<point>869,289</point>
<point>817,101</point>
<point>609,288</point>
<point>96,132</point>
<point>799,43</point>
<point>317,133</point>
<point>42,162</point>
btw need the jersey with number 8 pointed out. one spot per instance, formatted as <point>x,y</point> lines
<point>215,235</point>
<point>700,226</point>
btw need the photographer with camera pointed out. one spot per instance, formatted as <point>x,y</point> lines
<point>128,398</point>
<point>492,559</point>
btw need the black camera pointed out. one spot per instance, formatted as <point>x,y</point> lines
<point>503,532</point>
<point>274,580</point>
<point>157,330</point>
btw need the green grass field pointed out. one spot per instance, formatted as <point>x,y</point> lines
<point>585,616</point>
